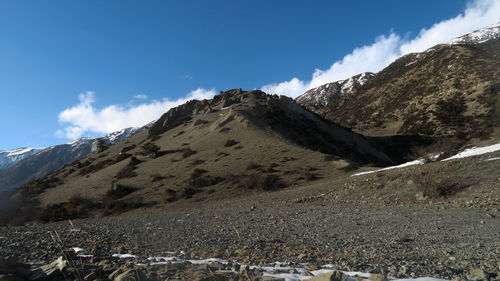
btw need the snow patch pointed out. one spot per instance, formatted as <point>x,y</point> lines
<point>475,151</point>
<point>411,163</point>
<point>125,256</point>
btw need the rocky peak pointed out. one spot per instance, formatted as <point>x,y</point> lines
<point>479,36</point>
<point>324,94</point>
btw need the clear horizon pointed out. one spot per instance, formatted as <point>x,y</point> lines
<point>86,69</point>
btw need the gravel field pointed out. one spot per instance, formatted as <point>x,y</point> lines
<point>438,239</point>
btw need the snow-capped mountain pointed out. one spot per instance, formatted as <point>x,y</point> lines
<point>322,95</point>
<point>25,164</point>
<point>478,36</point>
<point>448,90</point>
<point>11,157</point>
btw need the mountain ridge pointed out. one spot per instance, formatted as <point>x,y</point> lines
<point>35,163</point>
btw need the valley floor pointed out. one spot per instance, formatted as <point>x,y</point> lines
<point>409,240</point>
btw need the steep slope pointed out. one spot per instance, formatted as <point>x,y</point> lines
<point>452,90</point>
<point>239,142</point>
<point>321,96</point>
<point>12,156</point>
<point>36,163</point>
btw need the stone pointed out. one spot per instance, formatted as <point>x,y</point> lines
<point>271,278</point>
<point>378,277</point>
<point>476,274</point>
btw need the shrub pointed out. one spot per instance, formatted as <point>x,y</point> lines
<point>55,212</point>
<point>272,182</point>
<point>119,191</point>
<point>150,149</point>
<point>186,152</point>
<point>95,167</point>
<point>122,156</point>
<point>230,142</point>
<point>310,176</point>
<point>171,195</point>
<point>224,130</point>
<point>128,148</point>
<point>253,166</point>
<point>126,172</point>
<point>433,184</point>
<point>198,179</point>
<point>157,177</point>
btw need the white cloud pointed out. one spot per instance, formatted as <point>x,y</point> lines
<point>141,97</point>
<point>84,118</point>
<point>386,49</point>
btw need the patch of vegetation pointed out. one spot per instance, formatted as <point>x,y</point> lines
<point>122,156</point>
<point>95,167</point>
<point>256,181</point>
<point>150,149</point>
<point>253,166</point>
<point>186,152</point>
<point>126,172</point>
<point>119,191</point>
<point>435,184</point>
<point>55,212</point>
<point>230,142</point>
<point>39,185</point>
<point>157,177</point>
<point>199,179</point>
<point>128,148</point>
<point>171,195</point>
<point>450,111</point>
<point>197,162</point>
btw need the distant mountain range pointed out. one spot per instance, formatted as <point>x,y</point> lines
<point>21,165</point>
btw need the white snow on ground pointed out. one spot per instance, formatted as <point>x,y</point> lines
<point>475,151</point>
<point>125,256</point>
<point>415,162</point>
<point>494,158</point>
<point>466,153</point>
<point>79,250</point>
<point>208,261</point>
<point>280,269</point>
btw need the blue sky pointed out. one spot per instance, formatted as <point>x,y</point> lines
<point>85,68</point>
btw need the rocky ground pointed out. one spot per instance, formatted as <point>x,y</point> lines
<point>439,239</point>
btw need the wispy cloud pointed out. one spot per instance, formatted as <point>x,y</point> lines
<point>141,97</point>
<point>85,118</point>
<point>386,48</point>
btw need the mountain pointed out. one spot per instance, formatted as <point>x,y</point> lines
<point>26,164</point>
<point>321,96</point>
<point>239,142</point>
<point>11,157</point>
<point>449,90</point>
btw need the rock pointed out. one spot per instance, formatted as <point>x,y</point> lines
<point>271,278</point>
<point>335,275</point>
<point>378,277</point>
<point>476,274</point>
<point>301,256</point>
<point>132,275</point>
